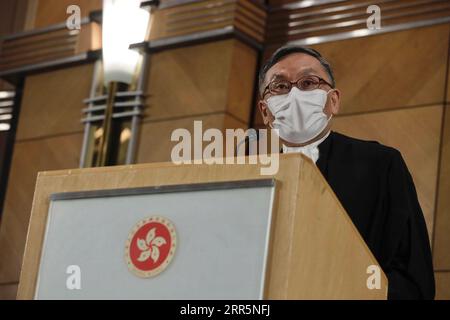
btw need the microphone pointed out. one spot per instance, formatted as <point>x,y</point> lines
<point>251,135</point>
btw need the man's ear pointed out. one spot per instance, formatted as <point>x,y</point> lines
<point>265,113</point>
<point>335,101</point>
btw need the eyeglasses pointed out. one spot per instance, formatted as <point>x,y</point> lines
<point>307,83</point>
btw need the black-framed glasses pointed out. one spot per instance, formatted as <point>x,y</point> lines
<point>306,83</point>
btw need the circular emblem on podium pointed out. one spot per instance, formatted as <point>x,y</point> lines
<point>150,246</point>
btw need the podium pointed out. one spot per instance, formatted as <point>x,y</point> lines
<point>166,231</point>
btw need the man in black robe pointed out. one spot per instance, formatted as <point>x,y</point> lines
<point>371,180</point>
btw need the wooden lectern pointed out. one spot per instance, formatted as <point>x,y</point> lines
<point>313,250</point>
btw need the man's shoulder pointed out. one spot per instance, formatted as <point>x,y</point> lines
<point>369,148</point>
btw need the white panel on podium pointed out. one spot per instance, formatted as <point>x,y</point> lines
<point>222,235</point>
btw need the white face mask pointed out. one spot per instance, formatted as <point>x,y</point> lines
<point>299,115</point>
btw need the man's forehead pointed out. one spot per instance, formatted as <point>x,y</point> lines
<point>294,65</point>
<point>283,73</point>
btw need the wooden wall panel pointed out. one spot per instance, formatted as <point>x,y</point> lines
<point>442,229</point>
<point>35,49</point>
<point>5,85</point>
<point>29,158</point>
<point>447,95</point>
<point>7,9</point>
<point>212,77</point>
<point>309,19</point>
<point>52,102</point>
<point>241,81</point>
<point>393,70</point>
<point>12,16</point>
<point>155,144</point>
<point>191,17</point>
<point>54,11</point>
<point>188,81</point>
<point>280,2</point>
<point>415,133</point>
<point>3,143</point>
<point>442,285</point>
<point>12,19</point>
<point>8,291</point>
<point>212,82</point>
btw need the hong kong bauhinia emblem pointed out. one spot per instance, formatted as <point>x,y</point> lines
<point>150,246</point>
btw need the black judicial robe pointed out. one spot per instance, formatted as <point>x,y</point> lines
<point>375,187</point>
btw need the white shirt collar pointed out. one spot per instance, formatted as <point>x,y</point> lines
<point>311,150</point>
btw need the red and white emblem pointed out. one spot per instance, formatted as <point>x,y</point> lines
<point>151,246</point>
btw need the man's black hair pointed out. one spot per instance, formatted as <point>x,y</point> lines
<point>287,50</point>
